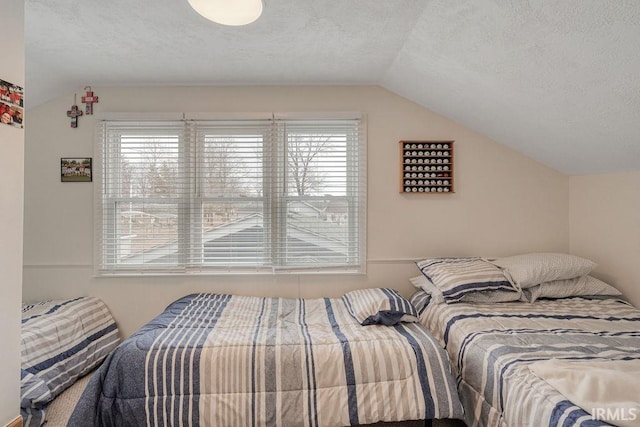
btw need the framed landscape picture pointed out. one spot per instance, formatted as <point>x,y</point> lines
<point>75,169</point>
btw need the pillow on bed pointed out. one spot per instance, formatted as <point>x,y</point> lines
<point>456,277</point>
<point>379,306</point>
<point>492,296</point>
<point>429,288</point>
<point>425,285</point>
<point>579,286</point>
<point>529,270</point>
<point>420,300</point>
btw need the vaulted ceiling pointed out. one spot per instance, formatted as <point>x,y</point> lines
<point>556,80</point>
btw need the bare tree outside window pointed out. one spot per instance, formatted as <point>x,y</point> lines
<point>231,168</point>
<point>225,173</point>
<point>152,168</point>
<point>316,204</point>
<point>149,168</point>
<point>302,151</point>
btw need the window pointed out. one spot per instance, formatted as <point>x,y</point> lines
<point>196,196</point>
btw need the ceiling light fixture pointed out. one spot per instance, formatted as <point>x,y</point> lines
<point>229,12</point>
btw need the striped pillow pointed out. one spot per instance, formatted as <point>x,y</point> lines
<point>435,294</point>
<point>456,277</point>
<point>379,306</point>
<point>424,284</point>
<point>420,300</point>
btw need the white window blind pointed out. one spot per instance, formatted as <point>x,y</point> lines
<point>231,196</point>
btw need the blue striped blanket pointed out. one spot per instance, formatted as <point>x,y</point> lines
<point>60,342</point>
<point>211,360</point>
<point>491,347</point>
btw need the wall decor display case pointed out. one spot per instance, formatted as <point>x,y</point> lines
<point>426,167</point>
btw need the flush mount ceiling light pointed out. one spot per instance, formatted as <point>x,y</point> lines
<point>228,12</point>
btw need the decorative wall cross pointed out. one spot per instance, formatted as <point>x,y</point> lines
<point>74,113</point>
<point>89,99</point>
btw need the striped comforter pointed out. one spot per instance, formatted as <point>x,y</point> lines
<point>60,342</point>
<point>213,360</point>
<point>491,346</point>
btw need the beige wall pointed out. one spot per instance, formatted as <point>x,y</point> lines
<point>605,227</point>
<point>11,202</point>
<point>504,202</point>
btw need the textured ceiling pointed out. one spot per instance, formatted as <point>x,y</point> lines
<point>555,80</point>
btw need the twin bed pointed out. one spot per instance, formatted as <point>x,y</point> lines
<point>506,347</point>
<point>233,360</point>
<point>501,353</point>
<point>558,348</point>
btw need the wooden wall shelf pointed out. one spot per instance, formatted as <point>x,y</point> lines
<point>426,167</point>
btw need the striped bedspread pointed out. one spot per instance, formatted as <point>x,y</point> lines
<point>213,360</point>
<point>492,345</point>
<point>60,342</point>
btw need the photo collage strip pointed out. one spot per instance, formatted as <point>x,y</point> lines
<point>11,104</point>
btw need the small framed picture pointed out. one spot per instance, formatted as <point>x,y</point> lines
<point>75,169</point>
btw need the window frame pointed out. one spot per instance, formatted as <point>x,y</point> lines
<point>191,204</point>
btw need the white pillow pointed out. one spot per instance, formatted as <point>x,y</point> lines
<point>579,286</point>
<point>529,270</point>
